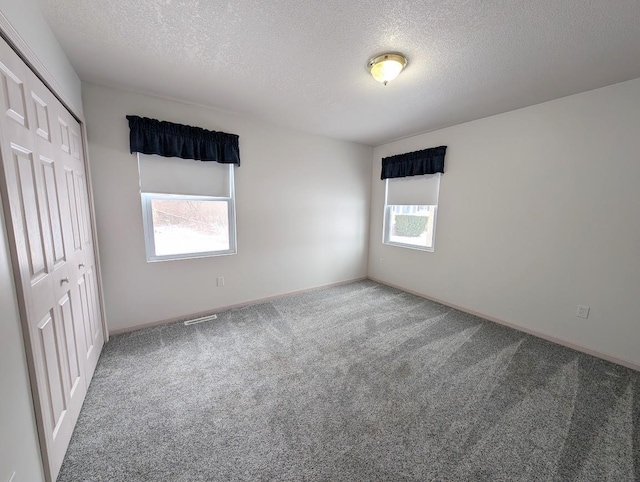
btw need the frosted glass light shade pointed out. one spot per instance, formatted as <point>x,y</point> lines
<point>387,67</point>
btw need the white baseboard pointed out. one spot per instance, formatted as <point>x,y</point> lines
<point>538,334</point>
<point>187,316</point>
<point>575,346</point>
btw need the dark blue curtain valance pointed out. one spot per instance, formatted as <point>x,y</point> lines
<point>151,136</point>
<point>426,161</point>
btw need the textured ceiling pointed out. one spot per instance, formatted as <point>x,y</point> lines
<point>302,63</point>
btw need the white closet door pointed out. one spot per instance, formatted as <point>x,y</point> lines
<point>77,226</point>
<point>50,231</point>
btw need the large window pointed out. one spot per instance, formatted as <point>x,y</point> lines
<point>188,208</point>
<point>410,210</point>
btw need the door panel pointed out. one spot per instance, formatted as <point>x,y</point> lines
<point>27,188</point>
<point>47,208</point>
<point>14,97</point>
<point>75,144</point>
<point>72,205</point>
<point>89,329</point>
<point>74,367</point>
<point>80,208</point>
<point>64,135</point>
<point>42,117</point>
<point>85,213</point>
<point>53,205</point>
<point>86,322</point>
<point>52,365</point>
<point>94,312</point>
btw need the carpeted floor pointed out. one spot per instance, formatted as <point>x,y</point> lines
<point>359,382</point>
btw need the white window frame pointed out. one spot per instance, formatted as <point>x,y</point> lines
<point>147,220</point>
<point>386,222</point>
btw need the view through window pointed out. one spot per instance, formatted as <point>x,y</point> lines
<point>182,226</point>
<point>411,225</point>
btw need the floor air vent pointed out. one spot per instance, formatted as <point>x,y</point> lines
<point>200,320</point>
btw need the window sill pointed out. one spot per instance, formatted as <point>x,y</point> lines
<point>158,259</point>
<point>409,246</point>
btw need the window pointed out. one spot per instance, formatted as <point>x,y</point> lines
<point>186,226</point>
<point>410,211</point>
<point>188,208</point>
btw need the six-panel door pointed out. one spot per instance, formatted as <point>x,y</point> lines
<point>47,198</point>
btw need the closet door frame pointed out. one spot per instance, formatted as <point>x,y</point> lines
<point>15,41</point>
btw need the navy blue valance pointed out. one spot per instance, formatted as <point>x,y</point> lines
<point>151,136</point>
<point>426,161</point>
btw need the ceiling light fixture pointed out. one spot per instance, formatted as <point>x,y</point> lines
<point>387,67</point>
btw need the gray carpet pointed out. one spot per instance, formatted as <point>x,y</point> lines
<point>357,382</point>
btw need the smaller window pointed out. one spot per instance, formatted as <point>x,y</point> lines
<point>410,210</point>
<point>178,226</point>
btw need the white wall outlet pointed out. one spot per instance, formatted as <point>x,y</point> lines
<point>583,311</point>
<point>220,281</point>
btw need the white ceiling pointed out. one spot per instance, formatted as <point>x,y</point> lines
<point>302,63</point>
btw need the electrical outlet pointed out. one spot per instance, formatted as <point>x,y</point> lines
<point>583,311</point>
<point>220,281</point>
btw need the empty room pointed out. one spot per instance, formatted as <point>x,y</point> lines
<point>321,241</point>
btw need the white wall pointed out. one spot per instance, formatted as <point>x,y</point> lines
<point>19,449</point>
<point>539,212</point>
<point>302,205</point>
<point>26,18</point>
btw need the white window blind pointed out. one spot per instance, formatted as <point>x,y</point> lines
<point>416,190</point>
<point>172,175</point>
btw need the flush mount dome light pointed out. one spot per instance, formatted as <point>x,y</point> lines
<point>387,67</point>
